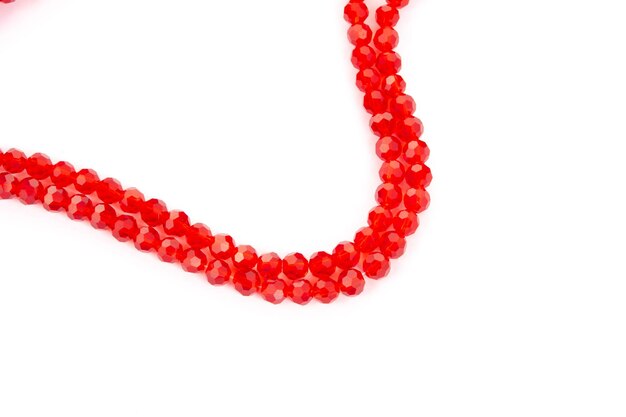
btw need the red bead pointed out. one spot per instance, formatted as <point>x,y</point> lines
<point>39,166</point>
<point>389,195</point>
<point>376,265</point>
<point>86,181</point>
<point>418,176</point>
<point>363,57</point>
<point>368,79</point>
<point>392,171</point>
<point>8,185</point>
<point>416,200</point>
<point>355,12</point>
<point>193,260</point>
<point>14,161</point>
<point>63,174</point>
<point>274,291</point>
<point>406,223</point>
<point>366,239</point>
<point>387,16</point>
<point>379,219</point>
<point>223,247</point>
<point>359,34</point>
<point>132,201</point>
<point>246,282</point>
<point>269,266</point>
<point>326,290</point>
<point>125,228</point>
<point>402,106</point>
<point>177,223</point>
<point>392,245</point>
<point>55,199</point>
<point>103,217</point>
<point>386,39</point>
<point>30,191</point>
<point>300,291</point>
<point>321,264</point>
<point>110,190</point>
<point>170,250</point>
<point>147,239</point>
<point>346,255</point>
<point>295,266</point>
<point>382,124</point>
<point>410,129</point>
<point>398,3</point>
<point>388,148</point>
<point>245,257</point>
<point>80,207</point>
<point>392,85</point>
<point>389,63</point>
<point>351,282</point>
<point>416,152</point>
<point>199,236</point>
<point>218,272</point>
<point>154,212</point>
<point>375,102</point>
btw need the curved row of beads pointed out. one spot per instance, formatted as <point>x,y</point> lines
<point>82,195</point>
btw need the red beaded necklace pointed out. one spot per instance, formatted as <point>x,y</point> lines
<point>82,195</point>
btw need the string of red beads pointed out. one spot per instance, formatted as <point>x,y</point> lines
<point>151,227</point>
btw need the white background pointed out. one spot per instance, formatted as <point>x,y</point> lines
<point>510,301</point>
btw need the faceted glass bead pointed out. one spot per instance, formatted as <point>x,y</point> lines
<point>63,174</point>
<point>193,260</point>
<point>295,266</point>
<point>80,207</point>
<point>218,272</point>
<point>418,176</point>
<point>110,190</point>
<point>376,265</point>
<point>147,239</point>
<point>366,240</point>
<point>363,57</point>
<point>416,200</point>
<point>402,106</point>
<point>386,39</point>
<point>8,185</point>
<point>39,166</point>
<point>368,79</point>
<point>223,247</point>
<point>392,85</point>
<point>269,266</point>
<point>199,236</point>
<point>103,217</point>
<point>346,255</point>
<point>300,291</point>
<point>375,102</point>
<point>326,290</point>
<point>351,282</point>
<point>170,250</point>
<point>125,228</point>
<point>55,199</point>
<point>30,191</point>
<point>387,16</point>
<point>398,3</point>
<point>392,171</point>
<point>355,12</point>
<point>382,124</point>
<point>177,223</point>
<point>86,181</point>
<point>388,148</point>
<point>321,264</point>
<point>389,195</point>
<point>246,282</point>
<point>416,152</point>
<point>154,212</point>
<point>379,219</point>
<point>392,245</point>
<point>389,63</point>
<point>132,200</point>
<point>406,223</point>
<point>359,34</point>
<point>410,129</point>
<point>274,291</point>
<point>245,257</point>
<point>14,161</point>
